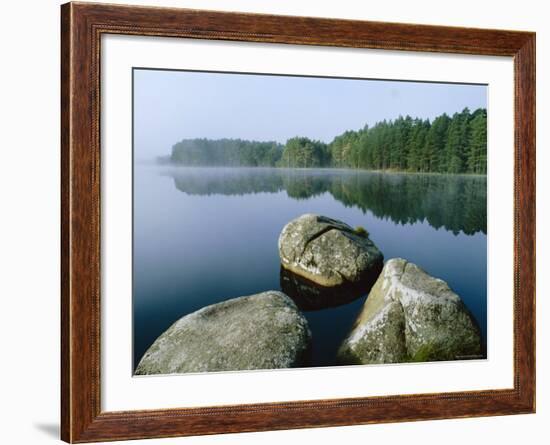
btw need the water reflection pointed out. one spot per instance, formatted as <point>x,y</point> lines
<point>455,202</point>
<point>310,296</point>
<point>227,222</point>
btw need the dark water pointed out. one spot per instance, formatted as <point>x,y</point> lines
<point>204,235</point>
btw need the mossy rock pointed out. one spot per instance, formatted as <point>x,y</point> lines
<point>410,316</point>
<point>329,252</point>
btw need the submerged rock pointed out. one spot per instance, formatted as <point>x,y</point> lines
<point>310,296</point>
<point>410,316</point>
<point>262,331</point>
<point>329,252</point>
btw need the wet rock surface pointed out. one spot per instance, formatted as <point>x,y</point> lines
<point>310,296</point>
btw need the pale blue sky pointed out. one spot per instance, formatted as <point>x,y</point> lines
<point>174,105</point>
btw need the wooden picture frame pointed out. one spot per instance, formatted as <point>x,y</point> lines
<point>82,25</point>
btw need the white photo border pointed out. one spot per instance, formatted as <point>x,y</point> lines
<point>121,391</point>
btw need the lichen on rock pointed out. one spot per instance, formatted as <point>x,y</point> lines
<point>411,316</point>
<point>261,331</point>
<point>328,252</point>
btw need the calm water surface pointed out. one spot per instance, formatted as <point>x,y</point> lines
<point>205,235</point>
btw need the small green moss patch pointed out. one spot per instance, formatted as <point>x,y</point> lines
<point>361,231</point>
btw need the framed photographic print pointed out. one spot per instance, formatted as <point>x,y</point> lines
<point>274,222</point>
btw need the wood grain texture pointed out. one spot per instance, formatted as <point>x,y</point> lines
<point>82,27</point>
<point>65,226</point>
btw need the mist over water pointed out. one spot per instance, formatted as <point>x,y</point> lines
<point>205,235</point>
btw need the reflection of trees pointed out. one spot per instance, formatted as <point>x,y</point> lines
<point>304,186</point>
<point>454,202</point>
<point>457,203</point>
<point>226,181</point>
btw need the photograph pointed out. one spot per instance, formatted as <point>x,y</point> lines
<point>290,221</point>
<point>280,218</point>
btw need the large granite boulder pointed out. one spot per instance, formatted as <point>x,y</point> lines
<point>329,252</point>
<point>410,316</point>
<point>262,331</point>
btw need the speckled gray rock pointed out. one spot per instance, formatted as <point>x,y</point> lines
<point>262,331</point>
<point>328,252</point>
<point>410,316</point>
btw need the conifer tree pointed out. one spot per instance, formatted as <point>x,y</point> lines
<point>456,144</point>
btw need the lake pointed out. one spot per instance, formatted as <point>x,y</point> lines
<point>205,235</point>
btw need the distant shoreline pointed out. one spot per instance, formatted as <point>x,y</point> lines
<point>448,144</point>
<point>327,168</point>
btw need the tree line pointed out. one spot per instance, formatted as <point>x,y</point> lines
<point>448,144</point>
<point>226,152</point>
